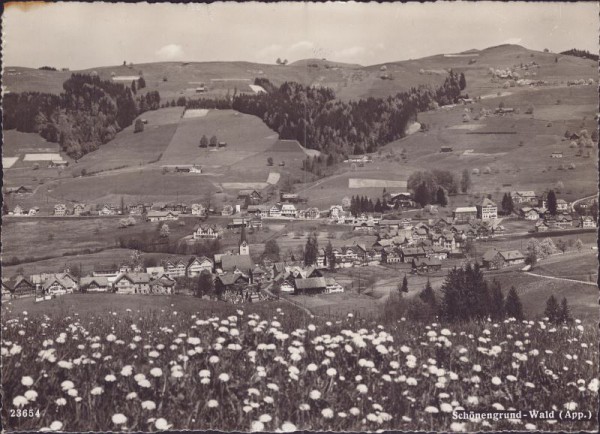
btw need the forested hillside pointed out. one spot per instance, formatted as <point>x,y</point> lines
<point>86,115</point>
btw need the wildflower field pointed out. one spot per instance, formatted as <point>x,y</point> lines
<point>272,368</point>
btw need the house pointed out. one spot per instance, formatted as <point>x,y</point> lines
<point>407,254</point>
<point>252,195</point>
<point>18,210</point>
<point>288,210</point>
<point>136,209</point>
<point>332,286</point>
<point>22,189</point>
<point>401,200</point>
<point>491,259</point>
<point>563,221</point>
<point>198,209</point>
<point>310,285</point>
<point>58,163</point>
<point>162,285</point>
<point>258,274</point>
<point>21,286</point>
<point>6,290</point>
<point>312,213</point>
<point>275,211</point>
<point>511,257</point>
<point>58,285</point>
<point>258,210</point>
<point>33,211</point>
<point>227,210</point>
<point>196,266</point>
<point>175,267</point>
<point>529,213</point>
<point>231,282</point>
<point>425,265</point>
<point>161,216</point>
<point>465,214</point>
<point>289,197</point>
<point>587,222</point>
<point>195,169</point>
<point>222,144</point>
<point>94,284</point>
<point>541,226</point>
<point>205,232</point>
<point>287,285</point>
<point>437,252</point>
<point>79,209</point>
<point>107,210</point>
<point>519,197</point>
<point>446,149</point>
<point>155,272</point>
<point>556,155</point>
<point>60,209</point>
<point>562,205</point>
<point>336,211</point>
<point>132,283</point>
<point>487,210</point>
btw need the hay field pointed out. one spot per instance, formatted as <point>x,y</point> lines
<point>375,183</point>
<point>245,136</point>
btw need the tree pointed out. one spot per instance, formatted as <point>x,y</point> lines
<point>404,286</point>
<point>551,311</point>
<point>330,257</point>
<point>272,249</point>
<point>561,245</point>
<point>551,200</point>
<point>507,204</point>
<point>122,206</point>
<point>564,313</point>
<point>441,197</point>
<point>579,245</point>
<point>205,284</point>
<point>465,181</point>
<point>213,141</point>
<point>139,126</point>
<point>133,87</point>
<point>311,250</point>
<point>278,61</point>
<point>497,301</point>
<point>462,81</point>
<point>141,83</point>
<point>164,230</point>
<point>427,295</point>
<point>513,306</point>
<point>422,195</point>
<point>204,141</point>
<point>270,161</point>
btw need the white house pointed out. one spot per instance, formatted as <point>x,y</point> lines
<point>197,265</point>
<point>60,209</point>
<point>132,283</point>
<point>198,209</point>
<point>487,210</point>
<point>160,216</point>
<point>205,232</point>
<point>288,210</point>
<point>275,211</point>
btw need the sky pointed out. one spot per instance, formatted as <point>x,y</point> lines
<point>87,35</point>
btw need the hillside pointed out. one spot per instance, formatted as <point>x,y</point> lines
<point>349,81</point>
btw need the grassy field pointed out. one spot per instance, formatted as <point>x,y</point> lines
<point>134,149</point>
<point>54,237</point>
<point>577,266</point>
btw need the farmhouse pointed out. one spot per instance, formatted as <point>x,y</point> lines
<point>107,210</point>
<point>425,265</point>
<point>587,222</point>
<point>22,189</point>
<point>18,210</point>
<point>562,205</point>
<point>94,284</point>
<point>529,213</point>
<point>198,209</point>
<point>231,282</point>
<point>195,169</point>
<point>556,155</point>
<point>60,209</point>
<point>310,285</point>
<point>132,283</point>
<point>524,197</point>
<point>404,200</point>
<point>465,214</point>
<point>205,232</point>
<point>511,257</point>
<point>291,198</point>
<point>336,211</point>
<point>332,286</point>
<point>230,263</point>
<point>79,209</point>
<point>487,210</point>
<point>258,210</point>
<point>175,267</point>
<point>33,211</point>
<point>59,284</point>
<point>541,226</point>
<point>563,221</point>
<point>311,213</point>
<point>160,216</point>
<point>407,254</point>
<point>252,195</point>
<point>162,285</point>
<point>6,290</point>
<point>196,266</point>
<point>21,286</point>
<point>275,211</point>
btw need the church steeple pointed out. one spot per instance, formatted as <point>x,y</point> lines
<point>244,248</point>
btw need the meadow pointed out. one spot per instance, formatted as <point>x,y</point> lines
<point>184,363</point>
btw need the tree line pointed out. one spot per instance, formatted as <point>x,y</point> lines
<point>88,113</point>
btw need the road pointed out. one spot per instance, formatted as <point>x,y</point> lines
<point>561,278</point>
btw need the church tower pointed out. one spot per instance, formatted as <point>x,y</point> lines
<point>244,247</point>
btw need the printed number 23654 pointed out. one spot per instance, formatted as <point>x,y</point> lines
<point>26,412</point>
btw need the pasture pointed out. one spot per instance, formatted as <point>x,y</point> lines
<point>378,376</point>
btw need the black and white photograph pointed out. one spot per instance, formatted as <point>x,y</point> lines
<point>296,216</point>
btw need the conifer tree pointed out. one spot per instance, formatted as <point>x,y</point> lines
<point>497,301</point>
<point>552,309</point>
<point>404,287</point>
<point>427,295</point>
<point>564,313</point>
<point>513,306</point>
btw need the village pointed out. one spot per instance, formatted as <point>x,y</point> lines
<point>412,239</point>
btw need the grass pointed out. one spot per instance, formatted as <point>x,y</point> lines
<point>199,365</point>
